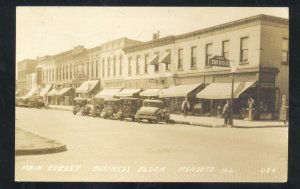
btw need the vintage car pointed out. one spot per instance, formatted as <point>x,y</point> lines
<point>22,102</point>
<point>153,111</point>
<point>128,108</point>
<point>98,105</point>
<point>88,108</point>
<point>78,104</point>
<point>111,107</point>
<point>36,102</point>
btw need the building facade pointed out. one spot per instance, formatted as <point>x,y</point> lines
<point>25,67</point>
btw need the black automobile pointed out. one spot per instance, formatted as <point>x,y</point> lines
<point>88,108</point>
<point>98,105</point>
<point>153,111</point>
<point>128,108</point>
<point>78,104</point>
<point>36,102</point>
<point>111,107</point>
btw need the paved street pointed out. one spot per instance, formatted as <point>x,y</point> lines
<point>110,150</point>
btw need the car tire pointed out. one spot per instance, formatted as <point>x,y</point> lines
<point>133,118</point>
<point>74,112</point>
<point>138,120</point>
<point>105,116</point>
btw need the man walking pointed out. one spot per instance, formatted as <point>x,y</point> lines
<point>185,106</point>
<point>226,113</point>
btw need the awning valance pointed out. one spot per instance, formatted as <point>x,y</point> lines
<point>180,91</point>
<point>52,92</point>
<point>150,92</point>
<point>63,91</point>
<point>30,93</point>
<point>87,86</point>
<point>107,93</point>
<point>128,92</point>
<point>45,90</point>
<point>166,58</point>
<point>223,90</point>
<point>153,60</point>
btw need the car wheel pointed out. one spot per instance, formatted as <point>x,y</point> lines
<point>138,120</point>
<point>93,114</point>
<point>133,118</point>
<point>121,118</point>
<point>150,120</point>
<point>82,113</point>
<point>105,116</point>
<point>74,112</point>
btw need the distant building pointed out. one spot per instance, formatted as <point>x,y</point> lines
<point>25,67</point>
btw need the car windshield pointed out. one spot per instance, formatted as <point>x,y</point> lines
<point>153,104</point>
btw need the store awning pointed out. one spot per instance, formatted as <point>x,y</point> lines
<point>87,86</point>
<point>30,93</point>
<point>128,92</point>
<point>63,91</point>
<point>166,58</point>
<point>180,91</point>
<point>150,92</point>
<point>223,90</point>
<point>107,93</point>
<point>153,60</point>
<point>45,90</point>
<point>52,92</point>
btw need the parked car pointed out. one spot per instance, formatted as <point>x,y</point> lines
<point>111,107</point>
<point>22,102</point>
<point>98,105</point>
<point>87,109</point>
<point>128,108</point>
<point>153,111</point>
<point>36,102</point>
<point>78,104</point>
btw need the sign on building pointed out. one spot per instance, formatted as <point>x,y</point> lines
<point>219,61</point>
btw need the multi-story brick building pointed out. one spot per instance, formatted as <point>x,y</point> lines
<point>25,67</point>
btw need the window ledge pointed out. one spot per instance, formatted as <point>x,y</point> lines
<point>244,62</point>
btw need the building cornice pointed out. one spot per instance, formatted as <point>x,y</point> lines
<point>258,19</point>
<point>150,44</point>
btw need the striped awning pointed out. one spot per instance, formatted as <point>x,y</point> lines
<point>45,90</point>
<point>31,92</point>
<point>108,93</point>
<point>150,92</point>
<point>63,91</point>
<point>87,86</point>
<point>166,58</point>
<point>128,92</point>
<point>153,60</point>
<point>180,91</point>
<point>52,92</point>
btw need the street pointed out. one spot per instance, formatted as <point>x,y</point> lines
<point>123,151</point>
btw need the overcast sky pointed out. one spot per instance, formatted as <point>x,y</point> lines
<point>51,30</point>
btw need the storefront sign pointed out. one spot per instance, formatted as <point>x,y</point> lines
<point>219,61</point>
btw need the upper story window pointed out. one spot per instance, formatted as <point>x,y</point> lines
<point>146,64</point>
<point>129,66</point>
<point>88,69</point>
<point>67,72</point>
<point>208,53</point>
<point>137,65</point>
<point>63,70</point>
<point>285,51</point>
<point>120,65</point>
<point>156,66</point>
<point>244,49</point>
<point>180,59</point>
<point>92,74</point>
<point>97,67</point>
<point>114,66</point>
<point>194,57</point>
<point>225,49</point>
<point>103,68</point>
<point>70,71</point>
<point>108,67</point>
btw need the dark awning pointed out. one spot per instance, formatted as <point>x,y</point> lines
<point>180,91</point>
<point>128,92</point>
<point>107,93</point>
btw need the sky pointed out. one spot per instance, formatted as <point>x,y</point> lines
<point>44,31</point>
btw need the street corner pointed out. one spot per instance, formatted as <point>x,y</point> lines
<point>28,143</point>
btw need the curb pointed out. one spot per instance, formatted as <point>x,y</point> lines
<point>40,151</point>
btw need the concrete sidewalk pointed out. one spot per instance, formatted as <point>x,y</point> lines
<point>205,121</point>
<point>219,122</point>
<point>28,143</point>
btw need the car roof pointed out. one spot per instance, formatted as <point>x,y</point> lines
<point>111,99</point>
<point>128,98</point>
<point>151,100</point>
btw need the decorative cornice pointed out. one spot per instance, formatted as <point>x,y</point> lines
<point>258,18</point>
<point>150,44</point>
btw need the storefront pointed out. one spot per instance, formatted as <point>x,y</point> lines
<point>175,95</point>
<point>45,91</point>
<point>88,89</point>
<point>129,93</point>
<point>65,96</point>
<point>51,97</point>
<point>108,93</point>
<point>214,96</point>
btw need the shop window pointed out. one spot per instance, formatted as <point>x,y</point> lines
<point>225,49</point>
<point>208,53</point>
<point>180,59</point>
<point>244,49</point>
<point>194,57</point>
<point>285,51</point>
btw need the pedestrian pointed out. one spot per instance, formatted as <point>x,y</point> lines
<point>219,111</point>
<point>185,106</point>
<point>226,113</point>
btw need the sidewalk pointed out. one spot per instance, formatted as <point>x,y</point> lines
<point>28,143</point>
<point>205,121</point>
<point>219,122</point>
